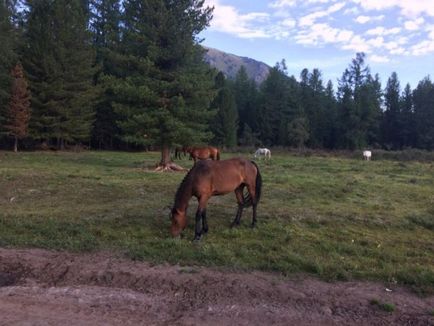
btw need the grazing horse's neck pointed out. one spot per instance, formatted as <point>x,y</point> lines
<point>183,195</point>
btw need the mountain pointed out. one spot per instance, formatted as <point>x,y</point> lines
<point>229,64</point>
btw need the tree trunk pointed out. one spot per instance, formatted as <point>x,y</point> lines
<point>16,144</point>
<point>165,156</point>
<point>166,163</point>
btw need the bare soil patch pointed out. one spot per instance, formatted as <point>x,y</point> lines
<point>40,287</point>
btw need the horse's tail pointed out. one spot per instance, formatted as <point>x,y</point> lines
<point>218,155</point>
<point>258,189</point>
<point>258,186</point>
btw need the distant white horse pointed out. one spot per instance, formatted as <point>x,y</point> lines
<point>367,155</point>
<point>263,151</point>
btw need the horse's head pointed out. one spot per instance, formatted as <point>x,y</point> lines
<point>179,222</point>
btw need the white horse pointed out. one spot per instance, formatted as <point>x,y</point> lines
<point>367,155</point>
<point>263,151</point>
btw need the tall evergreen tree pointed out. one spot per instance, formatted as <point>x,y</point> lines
<point>359,105</point>
<point>370,108</point>
<point>278,106</point>
<point>225,124</point>
<point>423,99</point>
<point>18,112</point>
<point>391,127</point>
<point>7,58</point>
<point>246,97</point>
<point>330,108</point>
<point>106,28</point>
<point>312,99</point>
<point>408,131</point>
<point>59,60</point>
<point>164,97</point>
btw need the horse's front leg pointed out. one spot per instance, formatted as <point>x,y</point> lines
<point>201,219</point>
<point>204,222</point>
<point>198,226</point>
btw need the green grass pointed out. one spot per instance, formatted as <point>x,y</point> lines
<point>338,218</point>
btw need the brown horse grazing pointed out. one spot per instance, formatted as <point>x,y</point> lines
<point>203,153</point>
<point>213,178</point>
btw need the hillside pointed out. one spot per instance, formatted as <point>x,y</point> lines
<point>229,64</point>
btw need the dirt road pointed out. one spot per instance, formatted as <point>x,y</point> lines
<point>40,287</point>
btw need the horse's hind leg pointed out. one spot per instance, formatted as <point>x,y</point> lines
<point>252,193</point>
<point>240,200</point>
<point>204,222</point>
<point>254,213</point>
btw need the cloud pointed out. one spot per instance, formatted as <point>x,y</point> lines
<point>320,34</point>
<point>378,58</point>
<point>413,25</point>
<point>408,8</point>
<point>228,19</point>
<point>292,3</point>
<point>430,31</point>
<point>363,19</point>
<point>380,30</point>
<point>283,3</point>
<point>376,42</point>
<point>310,19</point>
<point>357,44</point>
<point>366,19</point>
<point>422,48</point>
<point>349,26</point>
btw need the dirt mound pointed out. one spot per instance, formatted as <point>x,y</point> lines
<point>44,287</point>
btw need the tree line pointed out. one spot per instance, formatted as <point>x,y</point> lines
<point>131,75</point>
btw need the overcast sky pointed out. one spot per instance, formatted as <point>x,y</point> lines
<point>396,35</point>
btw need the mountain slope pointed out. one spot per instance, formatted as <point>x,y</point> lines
<point>229,64</point>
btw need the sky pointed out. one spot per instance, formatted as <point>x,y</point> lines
<point>396,35</point>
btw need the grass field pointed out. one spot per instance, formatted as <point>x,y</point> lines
<point>338,218</point>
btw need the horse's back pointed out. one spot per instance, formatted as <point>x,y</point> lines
<point>233,168</point>
<point>204,153</point>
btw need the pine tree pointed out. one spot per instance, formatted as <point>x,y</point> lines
<point>18,112</point>
<point>59,60</point>
<point>359,105</point>
<point>106,28</point>
<point>248,137</point>
<point>312,99</point>
<point>278,106</point>
<point>423,99</point>
<point>298,132</point>
<point>391,127</point>
<point>164,98</point>
<point>331,137</point>
<point>7,58</point>
<point>408,131</point>
<point>225,124</point>
<point>246,97</point>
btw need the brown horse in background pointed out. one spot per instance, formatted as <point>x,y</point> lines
<point>181,150</point>
<point>203,153</point>
<point>212,178</point>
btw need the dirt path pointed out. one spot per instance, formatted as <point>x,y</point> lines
<point>40,287</point>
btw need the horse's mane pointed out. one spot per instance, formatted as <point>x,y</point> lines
<point>181,187</point>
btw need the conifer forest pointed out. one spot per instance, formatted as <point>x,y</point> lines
<point>124,75</point>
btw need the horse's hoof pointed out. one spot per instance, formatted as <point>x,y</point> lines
<point>197,239</point>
